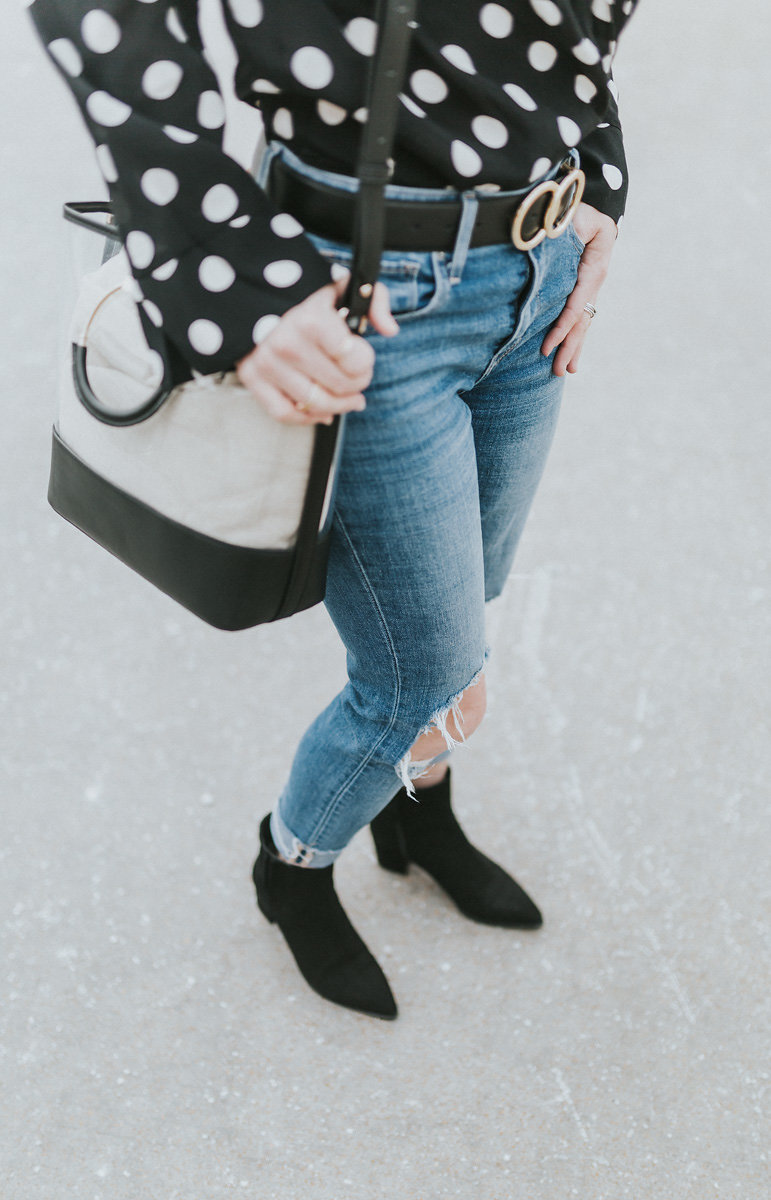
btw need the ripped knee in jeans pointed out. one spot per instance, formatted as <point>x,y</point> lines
<point>408,768</point>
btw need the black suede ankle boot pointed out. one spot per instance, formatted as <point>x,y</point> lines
<point>426,832</point>
<point>329,952</point>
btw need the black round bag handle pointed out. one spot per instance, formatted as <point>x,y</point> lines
<point>81,213</point>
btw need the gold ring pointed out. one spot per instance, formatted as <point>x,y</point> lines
<point>305,406</point>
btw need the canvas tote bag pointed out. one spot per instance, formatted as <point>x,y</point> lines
<point>193,485</point>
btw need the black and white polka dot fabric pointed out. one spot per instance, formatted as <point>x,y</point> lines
<point>494,94</point>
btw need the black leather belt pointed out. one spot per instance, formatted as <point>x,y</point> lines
<point>524,218</point>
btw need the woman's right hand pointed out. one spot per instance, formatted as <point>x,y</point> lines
<point>311,366</point>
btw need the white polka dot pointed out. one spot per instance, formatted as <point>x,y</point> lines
<point>613,177</point>
<point>246,12</point>
<point>361,115</point>
<point>283,273</point>
<point>520,96</point>
<point>602,9</point>
<point>410,104</point>
<point>183,136</point>
<point>465,159</point>
<point>106,109</point>
<point>153,312</point>
<point>283,125</point>
<point>220,203</point>
<point>175,26</point>
<point>284,225</point>
<point>263,327</point>
<point>428,86</point>
<point>161,79</point>
<point>586,52</point>
<point>584,88</point>
<point>311,67</point>
<point>547,10</point>
<point>106,163</point>
<point>216,274</point>
<point>239,222</point>
<point>570,132</point>
<point>490,132</point>
<point>100,32</point>
<point>265,87</point>
<point>496,20</point>
<point>166,270</point>
<point>140,248</point>
<point>210,110</point>
<point>205,336</point>
<point>67,55</point>
<point>159,185</point>
<point>541,56</point>
<point>459,58</point>
<point>361,33</point>
<point>331,114</point>
<point>540,167</point>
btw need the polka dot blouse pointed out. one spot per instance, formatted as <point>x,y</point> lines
<point>494,94</point>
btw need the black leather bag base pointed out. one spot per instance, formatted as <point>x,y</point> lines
<point>229,587</point>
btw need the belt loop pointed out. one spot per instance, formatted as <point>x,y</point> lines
<point>463,236</point>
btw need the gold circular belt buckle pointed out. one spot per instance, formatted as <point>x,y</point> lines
<point>552,226</point>
<point>574,179</point>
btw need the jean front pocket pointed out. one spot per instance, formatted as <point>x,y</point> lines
<point>414,280</point>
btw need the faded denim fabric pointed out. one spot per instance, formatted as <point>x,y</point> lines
<point>437,477</point>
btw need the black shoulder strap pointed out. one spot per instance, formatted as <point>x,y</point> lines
<point>374,171</point>
<point>395,22</point>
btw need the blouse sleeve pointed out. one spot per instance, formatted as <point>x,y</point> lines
<point>214,260</point>
<point>604,161</point>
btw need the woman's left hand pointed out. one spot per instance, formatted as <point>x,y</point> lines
<point>598,232</point>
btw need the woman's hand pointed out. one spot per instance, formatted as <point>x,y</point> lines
<point>599,233</point>
<point>311,366</point>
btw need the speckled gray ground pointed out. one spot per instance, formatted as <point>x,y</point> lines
<point>156,1041</point>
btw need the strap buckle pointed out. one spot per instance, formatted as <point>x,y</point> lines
<point>565,195</point>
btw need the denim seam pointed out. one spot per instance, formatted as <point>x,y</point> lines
<point>332,807</point>
<point>513,341</point>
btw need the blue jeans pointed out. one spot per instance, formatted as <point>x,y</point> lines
<point>436,480</point>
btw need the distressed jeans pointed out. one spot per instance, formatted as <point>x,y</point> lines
<point>437,476</point>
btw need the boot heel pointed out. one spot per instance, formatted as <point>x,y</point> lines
<point>390,847</point>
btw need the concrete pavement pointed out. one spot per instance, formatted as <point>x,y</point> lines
<point>156,1041</point>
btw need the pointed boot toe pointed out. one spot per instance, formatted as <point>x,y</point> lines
<point>330,954</point>
<point>426,832</point>
<point>360,984</point>
<point>488,894</point>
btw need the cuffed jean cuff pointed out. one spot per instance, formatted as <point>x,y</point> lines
<point>292,849</point>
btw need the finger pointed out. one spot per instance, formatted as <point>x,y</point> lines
<point>304,355</point>
<point>568,354</point>
<point>350,353</point>
<point>307,392</point>
<point>282,408</point>
<point>380,312</point>
<point>572,314</point>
